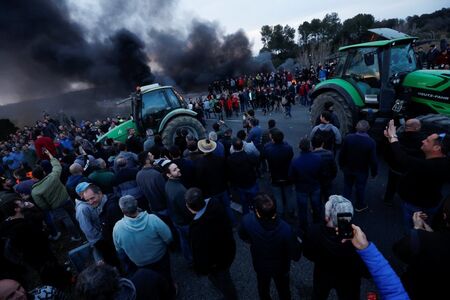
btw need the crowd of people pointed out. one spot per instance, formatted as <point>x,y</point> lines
<point>274,91</point>
<point>433,58</point>
<point>278,90</point>
<point>133,204</point>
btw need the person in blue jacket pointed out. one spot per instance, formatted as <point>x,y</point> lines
<point>388,283</point>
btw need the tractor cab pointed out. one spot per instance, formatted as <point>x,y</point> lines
<point>151,103</point>
<point>376,68</point>
<point>379,81</point>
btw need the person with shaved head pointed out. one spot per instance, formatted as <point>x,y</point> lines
<point>76,176</point>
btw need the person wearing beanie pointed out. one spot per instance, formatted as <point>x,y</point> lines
<point>337,265</point>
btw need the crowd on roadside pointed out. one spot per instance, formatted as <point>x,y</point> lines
<point>433,58</point>
<point>274,91</point>
<point>278,90</point>
<point>134,203</point>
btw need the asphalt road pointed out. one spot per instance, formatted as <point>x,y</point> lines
<point>382,225</point>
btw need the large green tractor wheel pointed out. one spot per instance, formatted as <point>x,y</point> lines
<point>341,108</point>
<point>435,123</point>
<point>192,125</point>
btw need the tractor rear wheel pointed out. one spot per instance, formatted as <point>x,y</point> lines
<point>341,108</point>
<point>435,123</point>
<point>192,125</point>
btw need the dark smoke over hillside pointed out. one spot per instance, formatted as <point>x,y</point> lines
<point>202,56</point>
<point>52,46</point>
<point>44,50</point>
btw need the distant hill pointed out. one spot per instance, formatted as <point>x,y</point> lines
<point>86,104</point>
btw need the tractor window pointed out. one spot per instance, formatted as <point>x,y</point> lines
<point>173,99</point>
<point>153,102</point>
<point>363,70</point>
<point>402,59</point>
<point>340,65</point>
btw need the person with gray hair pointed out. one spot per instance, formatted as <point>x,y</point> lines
<point>337,265</point>
<point>220,148</point>
<point>143,238</point>
<point>357,157</point>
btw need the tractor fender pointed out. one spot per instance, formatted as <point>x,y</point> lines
<point>344,88</point>
<point>175,113</point>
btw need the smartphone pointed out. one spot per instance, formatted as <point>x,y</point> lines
<point>344,222</point>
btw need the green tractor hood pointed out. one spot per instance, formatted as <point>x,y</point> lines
<point>119,133</point>
<point>430,88</point>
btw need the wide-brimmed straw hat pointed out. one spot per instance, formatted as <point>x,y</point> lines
<point>206,146</point>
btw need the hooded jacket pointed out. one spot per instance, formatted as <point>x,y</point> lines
<point>211,239</point>
<point>273,244</point>
<point>49,193</point>
<point>143,239</point>
<point>328,127</point>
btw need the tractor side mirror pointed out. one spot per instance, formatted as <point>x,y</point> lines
<point>369,59</point>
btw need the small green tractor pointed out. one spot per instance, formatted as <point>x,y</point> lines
<point>160,108</point>
<point>379,81</point>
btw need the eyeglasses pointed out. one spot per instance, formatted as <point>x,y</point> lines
<point>441,136</point>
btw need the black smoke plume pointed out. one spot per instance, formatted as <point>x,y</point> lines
<point>204,55</point>
<point>42,50</point>
<point>52,46</point>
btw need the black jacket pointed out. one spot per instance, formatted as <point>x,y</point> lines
<point>134,144</point>
<point>110,214</point>
<point>211,239</point>
<point>358,154</point>
<point>423,180</point>
<point>210,174</point>
<point>334,262</point>
<point>410,143</point>
<point>428,259</point>
<point>273,244</point>
<point>279,158</point>
<point>241,169</point>
<point>27,242</point>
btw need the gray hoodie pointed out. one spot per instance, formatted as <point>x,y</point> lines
<point>144,239</point>
<point>327,127</point>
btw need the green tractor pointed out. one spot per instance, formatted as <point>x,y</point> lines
<point>379,81</point>
<point>160,108</point>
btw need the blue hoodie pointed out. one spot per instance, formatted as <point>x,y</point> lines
<point>143,239</point>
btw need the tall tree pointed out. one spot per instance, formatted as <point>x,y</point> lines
<point>280,41</point>
<point>331,25</point>
<point>354,29</point>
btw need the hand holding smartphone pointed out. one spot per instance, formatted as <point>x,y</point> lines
<point>344,222</point>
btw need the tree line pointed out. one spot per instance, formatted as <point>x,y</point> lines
<point>318,39</point>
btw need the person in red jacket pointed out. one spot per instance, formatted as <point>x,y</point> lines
<point>43,142</point>
<point>229,106</point>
